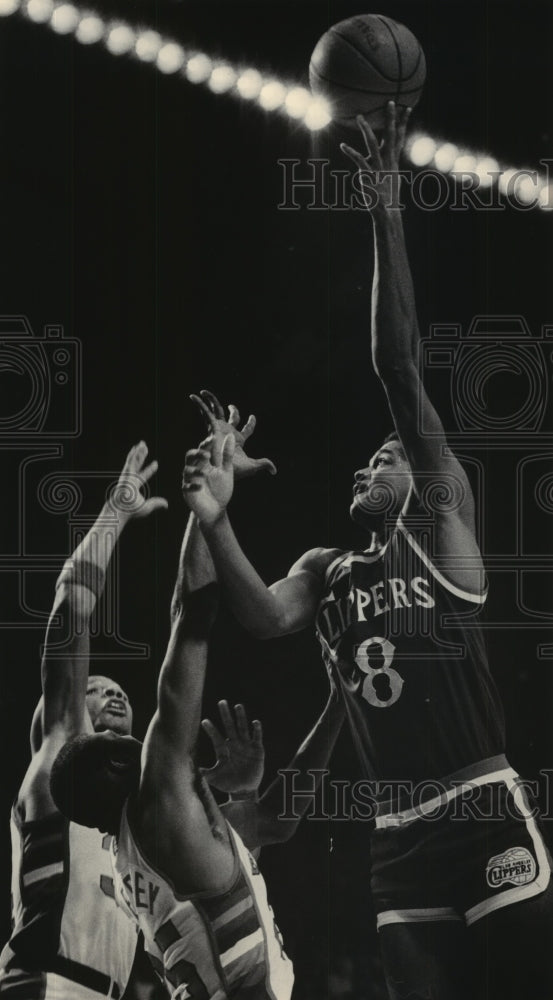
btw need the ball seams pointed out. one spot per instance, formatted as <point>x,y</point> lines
<point>365,57</point>
<point>363,90</point>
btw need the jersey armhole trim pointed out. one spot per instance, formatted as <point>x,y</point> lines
<point>465,595</point>
<point>332,565</point>
<point>190,897</point>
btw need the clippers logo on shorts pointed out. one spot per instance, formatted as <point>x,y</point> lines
<point>515,867</point>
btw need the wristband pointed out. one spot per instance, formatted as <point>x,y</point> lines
<point>83,573</point>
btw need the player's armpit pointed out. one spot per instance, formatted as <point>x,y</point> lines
<point>181,830</point>
<point>297,596</point>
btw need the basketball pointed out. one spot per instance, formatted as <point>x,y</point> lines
<point>361,63</point>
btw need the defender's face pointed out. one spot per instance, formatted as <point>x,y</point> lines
<point>108,706</point>
<point>381,489</point>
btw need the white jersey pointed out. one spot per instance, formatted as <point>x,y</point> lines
<point>66,922</point>
<point>207,946</point>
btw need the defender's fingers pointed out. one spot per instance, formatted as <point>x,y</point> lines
<point>227,720</point>
<point>135,457</point>
<point>227,451</point>
<point>149,471</point>
<point>242,722</point>
<point>265,465</point>
<point>215,736</point>
<point>197,457</point>
<point>204,409</point>
<point>154,503</point>
<point>248,427</point>
<point>257,733</point>
<point>233,415</point>
<point>211,399</point>
<point>130,457</point>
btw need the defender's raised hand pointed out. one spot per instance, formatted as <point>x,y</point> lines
<point>208,477</point>
<point>381,159</point>
<point>214,414</point>
<point>240,754</point>
<point>126,497</point>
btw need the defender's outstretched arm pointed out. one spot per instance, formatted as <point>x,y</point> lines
<point>61,713</point>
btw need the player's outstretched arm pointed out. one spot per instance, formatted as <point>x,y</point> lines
<point>208,484</point>
<point>395,337</point>
<point>176,818</point>
<point>80,585</point>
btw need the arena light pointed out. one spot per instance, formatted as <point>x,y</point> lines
<point>121,39</point>
<point>65,19</point>
<point>297,102</point>
<point>464,164</point>
<point>526,189</point>
<point>199,68</point>
<point>8,7</point>
<point>222,78</point>
<point>318,114</point>
<point>521,188</point>
<point>272,95</point>
<point>90,29</point>
<point>249,84</point>
<point>445,157</point>
<point>170,58</point>
<point>422,150</point>
<point>506,181</point>
<point>147,45</point>
<point>39,11</point>
<point>545,198</point>
<point>487,169</point>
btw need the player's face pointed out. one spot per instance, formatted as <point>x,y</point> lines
<point>381,489</point>
<point>108,706</point>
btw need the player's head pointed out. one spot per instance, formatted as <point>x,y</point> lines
<point>381,489</point>
<point>108,706</point>
<point>92,777</point>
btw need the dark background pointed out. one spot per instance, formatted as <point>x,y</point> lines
<point>140,212</point>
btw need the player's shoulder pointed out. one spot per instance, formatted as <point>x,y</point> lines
<point>316,561</point>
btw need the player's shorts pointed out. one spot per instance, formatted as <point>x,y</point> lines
<point>459,849</point>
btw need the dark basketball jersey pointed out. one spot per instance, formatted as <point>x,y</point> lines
<point>65,917</point>
<point>405,648</point>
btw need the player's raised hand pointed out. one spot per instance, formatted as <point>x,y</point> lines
<point>208,477</point>
<point>217,421</point>
<point>126,497</point>
<point>240,755</point>
<point>380,158</point>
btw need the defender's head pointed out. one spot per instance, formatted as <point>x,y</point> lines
<point>381,489</point>
<point>92,777</point>
<point>108,706</point>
